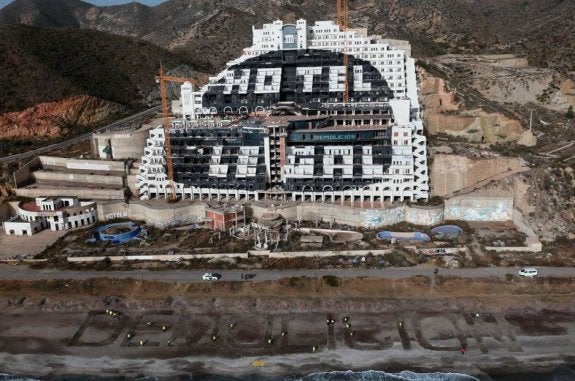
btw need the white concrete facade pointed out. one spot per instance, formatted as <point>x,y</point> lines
<point>390,57</point>
<point>407,177</point>
<point>54,213</point>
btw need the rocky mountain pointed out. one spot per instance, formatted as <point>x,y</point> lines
<point>216,30</point>
<point>55,119</point>
<point>42,65</point>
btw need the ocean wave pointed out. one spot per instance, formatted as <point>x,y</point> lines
<point>369,375</point>
<point>373,375</point>
<point>11,377</point>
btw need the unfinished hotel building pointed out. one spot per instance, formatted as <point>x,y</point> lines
<point>274,123</point>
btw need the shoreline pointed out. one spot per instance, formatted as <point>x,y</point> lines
<point>112,328</point>
<point>42,366</point>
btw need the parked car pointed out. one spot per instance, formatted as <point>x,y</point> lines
<point>211,276</point>
<point>528,272</point>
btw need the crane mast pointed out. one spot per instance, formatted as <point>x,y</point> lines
<point>342,16</point>
<point>162,78</point>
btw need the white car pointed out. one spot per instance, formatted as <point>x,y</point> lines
<point>528,272</point>
<point>210,276</point>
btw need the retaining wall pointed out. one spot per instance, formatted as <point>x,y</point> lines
<point>160,216</point>
<point>83,164</point>
<point>163,258</point>
<point>459,208</point>
<point>532,242</point>
<point>22,175</point>
<point>127,144</point>
<point>91,193</point>
<point>78,179</point>
<point>289,212</point>
<point>315,254</point>
<point>267,253</point>
<point>467,208</point>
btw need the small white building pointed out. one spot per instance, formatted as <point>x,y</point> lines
<point>54,213</point>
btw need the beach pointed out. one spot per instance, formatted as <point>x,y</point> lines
<point>55,329</point>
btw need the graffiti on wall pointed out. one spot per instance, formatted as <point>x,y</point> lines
<point>381,217</point>
<point>499,211</point>
<point>111,216</point>
<point>426,217</point>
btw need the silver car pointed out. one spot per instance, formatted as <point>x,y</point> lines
<point>528,272</point>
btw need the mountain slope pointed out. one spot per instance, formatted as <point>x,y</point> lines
<point>42,65</point>
<point>217,30</point>
<point>45,14</point>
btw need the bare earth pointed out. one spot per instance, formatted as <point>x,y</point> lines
<point>61,327</point>
<point>11,245</point>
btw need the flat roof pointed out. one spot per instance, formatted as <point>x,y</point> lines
<point>33,207</point>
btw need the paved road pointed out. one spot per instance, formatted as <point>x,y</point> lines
<point>193,276</point>
<point>119,123</point>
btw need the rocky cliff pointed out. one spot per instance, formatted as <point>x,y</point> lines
<point>54,119</point>
<point>444,114</point>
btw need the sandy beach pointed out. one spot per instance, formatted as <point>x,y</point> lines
<point>44,332</point>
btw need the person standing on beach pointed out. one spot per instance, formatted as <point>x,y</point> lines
<point>463,350</point>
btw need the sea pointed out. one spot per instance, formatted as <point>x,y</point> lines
<point>561,373</point>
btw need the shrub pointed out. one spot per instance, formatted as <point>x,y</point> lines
<point>331,280</point>
<point>104,264</point>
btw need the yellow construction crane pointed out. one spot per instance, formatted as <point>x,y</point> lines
<point>342,14</point>
<point>162,78</point>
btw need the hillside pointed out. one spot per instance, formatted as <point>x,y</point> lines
<point>217,30</point>
<point>54,120</point>
<point>43,65</point>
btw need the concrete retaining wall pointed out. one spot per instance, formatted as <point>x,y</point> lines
<point>459,208</point>
<point>22,175</point>
<point>161,216</point>
<point>266,253</point>
<point>289,212</point>
<point>425,215</point>
<point>467,208</point>
<point>330,213</point>
<point>532,243</point>
<point>83,164</point>
<point>315,254</point>
<point>78,179</point>
<point>502,249</point>
<point>162,258</point>
<point>131,181</point>
<point>96,194</point>
<point>124,144</point>
<point>442,250</point>
<point>532,240</point>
